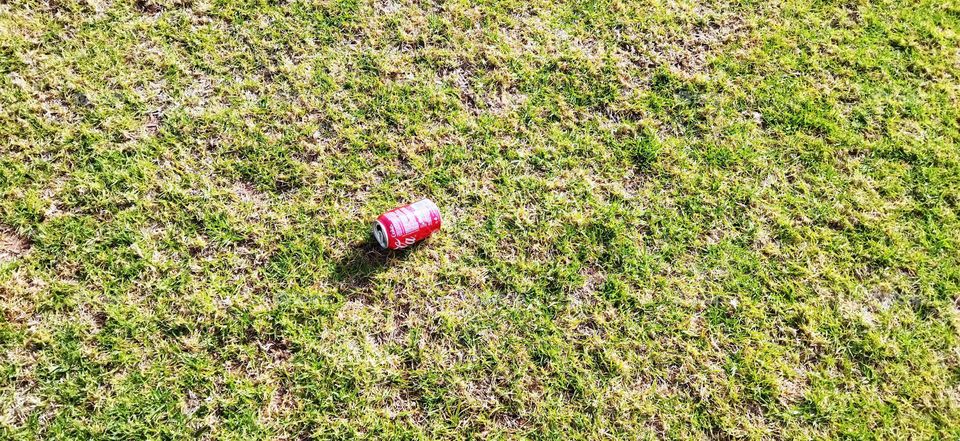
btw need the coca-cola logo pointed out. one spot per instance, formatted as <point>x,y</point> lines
<point>406,242</point>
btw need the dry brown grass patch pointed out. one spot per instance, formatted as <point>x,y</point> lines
<point>12,245</point>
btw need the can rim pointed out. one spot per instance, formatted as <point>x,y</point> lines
<point>380,233</point>
<point>435,208</point>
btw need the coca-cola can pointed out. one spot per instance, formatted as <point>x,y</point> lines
<point>407,225</point>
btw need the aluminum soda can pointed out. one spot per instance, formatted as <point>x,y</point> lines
<point>407,225</point>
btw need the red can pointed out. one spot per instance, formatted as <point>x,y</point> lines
<point>407,225</point>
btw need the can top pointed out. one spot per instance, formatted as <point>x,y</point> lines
<point>380,234</point>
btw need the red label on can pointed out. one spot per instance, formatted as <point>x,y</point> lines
<point>407,225</point>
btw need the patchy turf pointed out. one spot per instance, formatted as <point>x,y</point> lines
<point>662,219</point>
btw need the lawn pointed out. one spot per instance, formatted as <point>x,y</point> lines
<point>662,219</point>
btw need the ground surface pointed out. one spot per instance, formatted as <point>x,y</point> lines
<point>663,218</point>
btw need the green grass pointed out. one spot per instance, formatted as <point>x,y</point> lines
<point>662,219</point>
